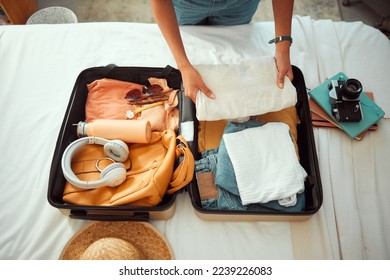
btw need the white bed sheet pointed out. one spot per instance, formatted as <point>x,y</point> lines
<point>39,65</point>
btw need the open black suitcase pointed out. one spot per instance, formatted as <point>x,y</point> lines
<point>75,112</point>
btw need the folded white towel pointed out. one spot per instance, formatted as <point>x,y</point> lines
<point>265,163</point>
<point>242,90</point>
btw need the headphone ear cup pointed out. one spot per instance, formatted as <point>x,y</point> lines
<point>114,174</point>
<point>117,150</point>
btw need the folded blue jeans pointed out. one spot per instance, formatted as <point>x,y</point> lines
<point>215,12</point>
<point>228,198</point>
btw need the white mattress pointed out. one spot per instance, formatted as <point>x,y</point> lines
<point>40,63</point>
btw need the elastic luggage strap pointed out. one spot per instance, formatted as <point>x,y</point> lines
<point>183,174</point>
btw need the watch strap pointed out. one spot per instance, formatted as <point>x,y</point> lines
<point>278,39</point>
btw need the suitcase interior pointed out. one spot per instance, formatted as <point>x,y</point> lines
<point>75,112</point>
<point>308,159</point>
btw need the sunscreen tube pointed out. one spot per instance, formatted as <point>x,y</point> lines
<point>129,131</point>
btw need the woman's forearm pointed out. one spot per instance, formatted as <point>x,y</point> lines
<point>165,17</point>
<point>283,10</point>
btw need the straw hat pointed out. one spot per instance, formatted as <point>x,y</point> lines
<point>117,241</point>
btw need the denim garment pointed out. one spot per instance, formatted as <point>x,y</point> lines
<point>215,12</point>
<point>225,200</point>
<point>229,201</point>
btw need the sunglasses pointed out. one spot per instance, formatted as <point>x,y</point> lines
<point>148,95</point>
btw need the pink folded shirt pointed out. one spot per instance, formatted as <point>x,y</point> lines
<point>106,100</point>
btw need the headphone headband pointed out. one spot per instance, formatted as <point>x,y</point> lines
<point>113,175</point>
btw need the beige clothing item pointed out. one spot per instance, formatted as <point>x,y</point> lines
<point>210,132</point>
<point>242,90</point>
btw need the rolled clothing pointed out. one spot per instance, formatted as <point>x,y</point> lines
<point>243,90</point>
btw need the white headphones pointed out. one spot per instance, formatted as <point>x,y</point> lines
<point>113,175</point>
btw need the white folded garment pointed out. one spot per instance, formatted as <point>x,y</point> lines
<point>243,90</point>
<point>265,163</point>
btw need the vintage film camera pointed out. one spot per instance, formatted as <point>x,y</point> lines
<point>344,96</point>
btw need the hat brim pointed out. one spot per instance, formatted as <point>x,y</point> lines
<point>152,244</point>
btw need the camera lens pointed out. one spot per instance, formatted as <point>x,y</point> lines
<point>351,89</point>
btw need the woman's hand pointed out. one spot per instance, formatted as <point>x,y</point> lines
<point>193,82</point>
<point>283,64</point>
